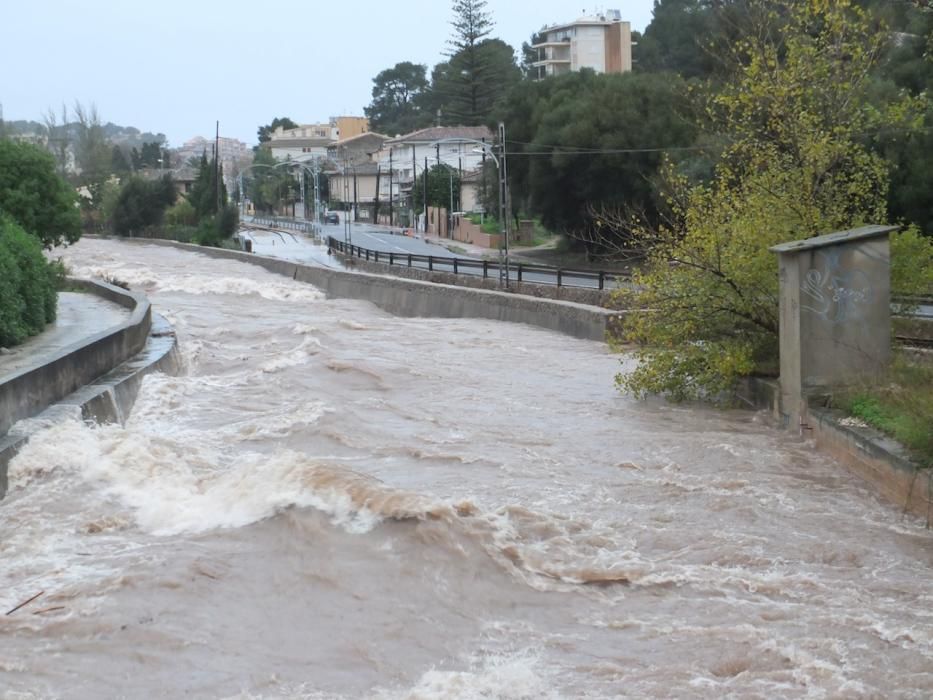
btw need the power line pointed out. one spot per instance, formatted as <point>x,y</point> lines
<point>585,150</point>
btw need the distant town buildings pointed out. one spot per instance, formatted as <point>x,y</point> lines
<point>601,42</point>
<point>233,152</point>
<point>311,141</point>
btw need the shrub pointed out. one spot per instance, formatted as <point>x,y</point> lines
<point>27,285</point>
<point>182,214</point>
<point>911,263</point>
<point>34,196</point>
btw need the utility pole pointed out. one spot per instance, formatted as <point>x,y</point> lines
<point>217,167</point>
<point>348,235</point>
<point>355,202</point>
<point>376,208</point>
<point>414,183</point>
<point>391,193</point>
<point>425,175</point>
<point>504,214</point>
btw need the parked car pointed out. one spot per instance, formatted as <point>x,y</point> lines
<point>331,217</point>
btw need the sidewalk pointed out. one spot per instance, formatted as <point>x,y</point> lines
<point>80,316</point>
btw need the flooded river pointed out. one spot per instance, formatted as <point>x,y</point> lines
<point>331,502</point>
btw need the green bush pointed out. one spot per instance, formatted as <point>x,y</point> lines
<point>182,213</point>
<point>27,285</point>
<point>33,194</point>
<point>911,263</point>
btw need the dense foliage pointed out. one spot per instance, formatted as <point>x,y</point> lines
<point>35,196</point>
<point>443,186</point>
<point>579,139</point>
<point>27,285</point>
<point>795,166</point>
<point>398,105</point>
<point>478,74</point>
<point>141,204</point>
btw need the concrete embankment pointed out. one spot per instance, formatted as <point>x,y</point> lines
<point>407,297</point>
<point>97,376</point>
<point>876,459</point>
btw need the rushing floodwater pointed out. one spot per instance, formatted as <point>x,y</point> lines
<point>334,502</point>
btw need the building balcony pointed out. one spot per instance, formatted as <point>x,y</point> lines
<point>552,62</point>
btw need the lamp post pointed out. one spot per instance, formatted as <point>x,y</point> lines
<point>289,163</point>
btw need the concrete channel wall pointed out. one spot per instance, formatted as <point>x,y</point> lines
<point>31,389</point>
<point>97,379</point>
<point>876,459</point>
<point>579,295</point>
<point>406,297</point>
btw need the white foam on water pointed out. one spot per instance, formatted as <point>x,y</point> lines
<point>513,677</point>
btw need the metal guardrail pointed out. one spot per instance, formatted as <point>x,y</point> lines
<point>485,268</point>
<point>309,227</point>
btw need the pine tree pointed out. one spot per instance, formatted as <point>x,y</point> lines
<point>471,87</point>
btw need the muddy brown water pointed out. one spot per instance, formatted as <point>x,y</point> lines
<point>331,502</point>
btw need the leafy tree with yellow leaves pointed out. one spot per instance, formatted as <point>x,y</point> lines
<point>794,119</point>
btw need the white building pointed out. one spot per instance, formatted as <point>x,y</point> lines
<point>306,142</point>
<point>460,149</point>
<point>602,43</point>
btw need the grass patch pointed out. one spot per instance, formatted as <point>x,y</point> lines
<point>487,224</point>
<point>900,406</point>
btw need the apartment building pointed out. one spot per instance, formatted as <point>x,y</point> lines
<point>601,42</point>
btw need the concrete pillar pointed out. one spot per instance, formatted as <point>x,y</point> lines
<point>835,313</point>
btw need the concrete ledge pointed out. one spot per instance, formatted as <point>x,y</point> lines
<point>876,458</point>
<point>406,297</point>
<point>29,390</point>
<point>108,399</point>
<point>866,452</point>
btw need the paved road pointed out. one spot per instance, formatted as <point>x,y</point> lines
<point>290,245</point>
<point>377,238</point>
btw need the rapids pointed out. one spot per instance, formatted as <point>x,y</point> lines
<point>332,502</point>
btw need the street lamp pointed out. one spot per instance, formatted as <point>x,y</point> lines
<point>289,163</point>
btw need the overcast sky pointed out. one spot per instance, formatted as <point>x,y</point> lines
<point>175,66</point>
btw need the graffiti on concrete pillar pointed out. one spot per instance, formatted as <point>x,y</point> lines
<point>835,294</point>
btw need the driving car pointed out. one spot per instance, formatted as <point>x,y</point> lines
<point>331,217</point>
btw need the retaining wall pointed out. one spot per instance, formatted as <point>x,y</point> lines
<point>577,295</point>
<point>100,376</point>
<point>28,391</point>
<point>408,297</point>
<point>866,452</point>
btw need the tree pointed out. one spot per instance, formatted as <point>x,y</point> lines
<point>92,152</point>
<point>142,203</point>
<point>568,136</point>
<point>264,133</point>
<point>689,37</point>
<point>795,167</point>
<point>268,186</point>
<point>118,162</point>
<point>36,197</point>
<point>398,100</point>
<point>530,56</point>
<point>58,139</point>
<point>479,71</point>
<point>151,156</point>
<point>204,195</point>
<point>442,180</point>
<point>28,289</point>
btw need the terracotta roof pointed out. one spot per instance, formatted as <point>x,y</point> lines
<point>358,137</point>
<point>436,133</point>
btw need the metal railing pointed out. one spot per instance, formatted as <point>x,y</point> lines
<point>520,272</point>
<point>309,227</point>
